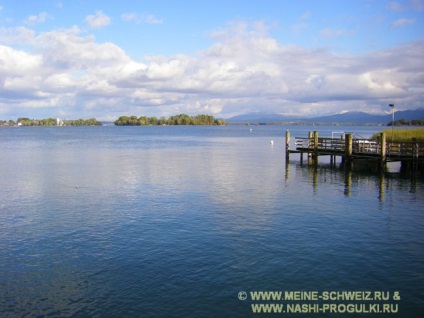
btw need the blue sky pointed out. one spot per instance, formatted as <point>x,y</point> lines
<point>103,59</point>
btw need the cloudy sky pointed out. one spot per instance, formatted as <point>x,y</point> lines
<point>81,59</point>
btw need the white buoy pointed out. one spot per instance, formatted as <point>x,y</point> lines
<point>272,142</point>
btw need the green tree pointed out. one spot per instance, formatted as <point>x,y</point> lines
<point>122,121</point>
<point>143,121</point>
<point>180,119</point>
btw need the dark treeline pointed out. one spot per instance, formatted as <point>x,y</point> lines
<point>36,122</point>
<point>403,122</point>
<point>7,123</point>
<point>181,119</point>
<point>82,122</point>
<point>53,122</point>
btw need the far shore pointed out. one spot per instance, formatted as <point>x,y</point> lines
<point>403,135</point>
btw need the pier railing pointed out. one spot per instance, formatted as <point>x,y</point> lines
<point>365,146</point>
<point>337,144</point>
<point>410,154</point>
<point>360,147</point>
<point>303,143</point>
<point>405,149</point>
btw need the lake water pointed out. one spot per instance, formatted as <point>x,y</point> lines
<point>181,221</point>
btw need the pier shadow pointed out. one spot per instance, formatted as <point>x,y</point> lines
<point>348,175</point>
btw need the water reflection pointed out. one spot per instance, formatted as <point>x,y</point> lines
<point>348,182</point>
<point>131,227</point>
<point>349,178</point>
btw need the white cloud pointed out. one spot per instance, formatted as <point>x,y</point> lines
<point>18,63</point>
<point>16,35</point>
<point>298,27</point>
<point>395,6</point>
<point>67,49</point>
<point>400,23</point>
<point>130,16</point>
<point>36,19</point>
<point>141,18</point>
<point>243,70</point>
<point>417,5</point>
<point>302,23</point>
<point>151,19</point>
<point>98,20</point>
<point>335,33</point>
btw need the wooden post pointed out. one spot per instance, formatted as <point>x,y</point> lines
<point>316,146</point>
<point>415,149</point>
<point>415,155</point>
<point>348,148</point>
<point>310,139</point>
<point>383,150</point>
<point>287,145</point>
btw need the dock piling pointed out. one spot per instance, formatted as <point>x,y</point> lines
<point>348,148</point>
<point>315,147</point>
<point>310,137</point>
<point>287,145</point>
<point>383,150</point>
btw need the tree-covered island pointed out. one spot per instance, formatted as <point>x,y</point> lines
<point>403,122</point>
<point>57,122</point>
<point>181,119</point>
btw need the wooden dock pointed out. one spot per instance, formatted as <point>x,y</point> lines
<point>351,149</point>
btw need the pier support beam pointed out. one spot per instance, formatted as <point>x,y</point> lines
<point>287,171</point>
<point>349,150</point>
<point>415,153</point>
<point>287,145</point>
<point>315,147</point>
<point>310,137</point>
<point>383,151</point>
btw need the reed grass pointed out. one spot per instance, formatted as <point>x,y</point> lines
<point>402,135</point>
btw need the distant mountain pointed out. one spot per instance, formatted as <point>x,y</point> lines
<point>351,117</point>
<point>361,117</point>
<point>408,114</point>
<point>258,117</point>
<point>348,117</point>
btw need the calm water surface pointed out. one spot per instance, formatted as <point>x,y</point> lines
<point>176,221</point>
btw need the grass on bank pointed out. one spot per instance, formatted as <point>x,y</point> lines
<point>402,135</point>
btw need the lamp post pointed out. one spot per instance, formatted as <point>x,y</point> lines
<point>393,117</point>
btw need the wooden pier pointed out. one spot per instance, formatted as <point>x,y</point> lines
<point>410,154</point>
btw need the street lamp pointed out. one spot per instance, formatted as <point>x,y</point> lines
<point>393,117</point>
